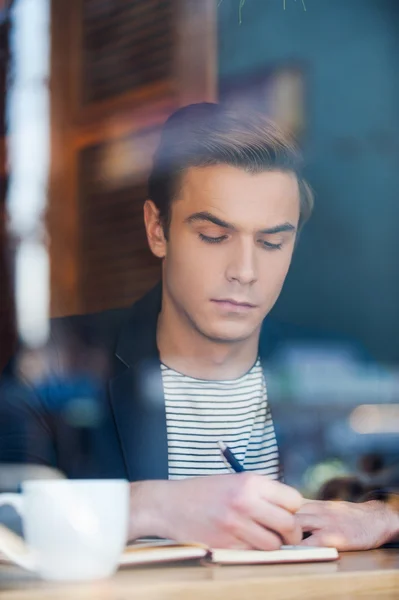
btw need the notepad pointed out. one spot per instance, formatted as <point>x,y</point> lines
<point>159,551</point>
<point>164,551</point>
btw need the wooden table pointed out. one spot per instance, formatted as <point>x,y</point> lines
<point>373,574</point>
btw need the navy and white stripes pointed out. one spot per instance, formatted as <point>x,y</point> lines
<point>199,413</point>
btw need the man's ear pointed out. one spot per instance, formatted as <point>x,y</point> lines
<point>154,228</point>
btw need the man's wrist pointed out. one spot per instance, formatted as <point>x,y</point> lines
<point>147,500</point>
<point>391,512</point>
<point>393,534</point>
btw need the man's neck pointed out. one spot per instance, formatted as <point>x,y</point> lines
<point>187,351</point>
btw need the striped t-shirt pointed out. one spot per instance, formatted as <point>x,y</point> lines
<point>199,413</point>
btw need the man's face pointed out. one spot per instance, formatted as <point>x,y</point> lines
<point>230,244</point>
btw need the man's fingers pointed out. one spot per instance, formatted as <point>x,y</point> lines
<point>233,543</point>
<point>311,504</point>
<point>316,539</point>
<point>280,494</point>
<point>292,537</point>
<point>327,538</point>
<point>308,521</point>
<point>256,536</point>
<point>278,520</point>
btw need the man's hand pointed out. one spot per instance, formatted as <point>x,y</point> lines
<point>346,525</point>
<point>222,511</point>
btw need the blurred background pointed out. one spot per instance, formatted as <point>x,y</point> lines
<point>85,87</point>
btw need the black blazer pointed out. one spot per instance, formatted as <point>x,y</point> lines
<point>118,430</point>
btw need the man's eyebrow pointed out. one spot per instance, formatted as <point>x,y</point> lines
<point>279,228</point>
<point>207,216</point>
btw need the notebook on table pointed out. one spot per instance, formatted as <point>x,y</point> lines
<point>164,551</point>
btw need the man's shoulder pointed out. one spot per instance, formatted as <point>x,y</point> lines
<point>103,328</point>
<point>91,327</point>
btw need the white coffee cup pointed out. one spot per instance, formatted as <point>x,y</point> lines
<point>74,529</point>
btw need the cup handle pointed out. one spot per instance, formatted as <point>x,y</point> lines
<point>12,545</point>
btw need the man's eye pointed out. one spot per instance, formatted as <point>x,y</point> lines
<point>212,240</point>
<point>269,246</point>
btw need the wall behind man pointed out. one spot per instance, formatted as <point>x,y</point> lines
<point>345,274</point>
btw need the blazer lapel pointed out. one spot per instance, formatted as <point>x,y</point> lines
<point>136,393</point>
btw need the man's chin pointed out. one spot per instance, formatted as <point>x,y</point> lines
<point>228,335</point>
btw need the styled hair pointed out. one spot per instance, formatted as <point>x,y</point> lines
<point>207,134</point>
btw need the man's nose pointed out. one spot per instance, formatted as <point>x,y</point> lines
<point>242,263</point>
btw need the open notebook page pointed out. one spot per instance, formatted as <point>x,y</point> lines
<point>168,551</point>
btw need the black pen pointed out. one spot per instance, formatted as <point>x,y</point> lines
<point>230,458</point>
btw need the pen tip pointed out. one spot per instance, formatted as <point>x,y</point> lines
<point>222,446</point>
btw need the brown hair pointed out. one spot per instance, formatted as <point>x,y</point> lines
<point>206,134</point>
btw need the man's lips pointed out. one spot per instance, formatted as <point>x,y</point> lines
<point>236,305</point>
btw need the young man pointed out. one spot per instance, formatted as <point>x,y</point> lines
<point>185,366</point>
